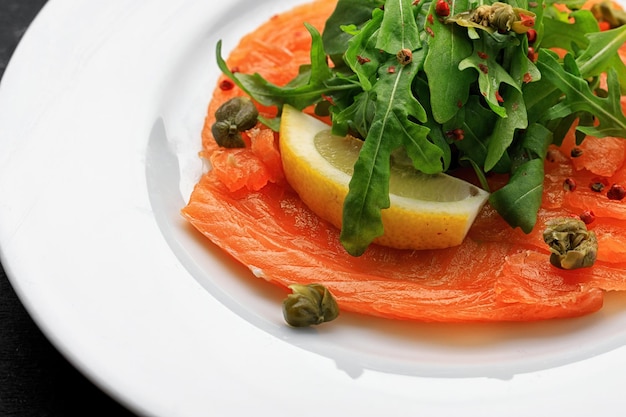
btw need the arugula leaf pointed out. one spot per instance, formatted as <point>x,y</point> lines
<point>449,87</point>
<point>476,122</point>
<point>539,97</point>
<point>561,127</point>
<point>620,69</point>
<point>579,97</point>
<point>513,101</point>
<point>469,94</point>
<point>490,73</point>
<point>502,136</point>
<point>535,143</point>
<point>436,134</point>
<point>347,12</point>
<point>601,53</point>
<point>398,29</point>
<point>519,200</point>
<point>356,118</point>
<point>392,127</point>
<point>369,191</point>
<point>561,33</point>
<point>362,55</point>
<point>306,89</point>
<point>397,121</point>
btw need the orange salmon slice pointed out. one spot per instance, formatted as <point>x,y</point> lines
<point>246,208</point>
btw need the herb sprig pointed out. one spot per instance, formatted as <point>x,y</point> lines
<point>407,77</point>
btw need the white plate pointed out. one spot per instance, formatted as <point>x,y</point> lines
<point>100,114</point>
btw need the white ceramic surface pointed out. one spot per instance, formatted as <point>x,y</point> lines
<point>100,114</point>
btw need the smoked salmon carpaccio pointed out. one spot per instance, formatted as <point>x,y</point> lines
<point>244,205</point>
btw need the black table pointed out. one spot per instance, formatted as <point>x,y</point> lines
<point>35,379</point>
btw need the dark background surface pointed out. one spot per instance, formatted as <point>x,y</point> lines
<point>35,379</point>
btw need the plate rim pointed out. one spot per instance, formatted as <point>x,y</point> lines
<point>30,294</point>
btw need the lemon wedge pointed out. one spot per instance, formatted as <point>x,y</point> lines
<point>426,211</point>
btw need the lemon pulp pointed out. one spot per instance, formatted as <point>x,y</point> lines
<point>426,211</point>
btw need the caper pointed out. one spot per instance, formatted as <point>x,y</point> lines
<point>571,244</point>
<point>606,12</point>
<point>497,16</point>
<point>233,117</point>
<point>502,16</point>
<point>309,305</point>
<point>227,135</point>
<point>481,15</point>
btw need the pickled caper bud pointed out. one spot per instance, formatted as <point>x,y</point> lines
<point>571,244</point>
<point>481,15</point>
<point>309,305</point>
<point>233,117</point>
<point>497,16</point>
<point>241,111</point>
<point>502,16</point>
<point>606,11</point>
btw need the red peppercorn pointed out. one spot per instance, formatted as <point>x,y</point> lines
<point>616,192</point>
<point>569,184</point>
<point>226,85</point>
<point>531,35</point>
<point>527,77</point>
<point>362,60</point>
<point>532,55</point>
<point>598,184</point>
<point>597,187</point>
<point>329,99</point>
<point>576,152</point>
<point>404,56</point>
<point>587,216</point>
<point>456,134</point>
<point>554,155</point>
<point>442,8</point>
